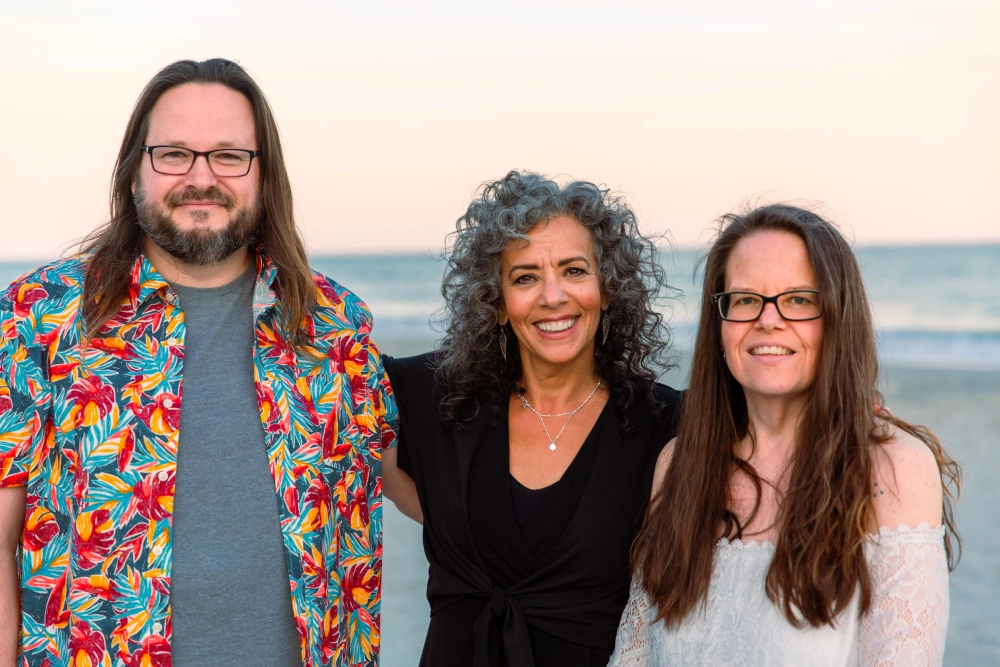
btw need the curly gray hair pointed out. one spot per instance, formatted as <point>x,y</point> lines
<point>469,361</point>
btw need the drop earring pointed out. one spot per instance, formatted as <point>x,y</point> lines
<point>605,325</point>
<point>503,342</point>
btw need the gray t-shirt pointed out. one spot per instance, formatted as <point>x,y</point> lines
<point>230,594</point>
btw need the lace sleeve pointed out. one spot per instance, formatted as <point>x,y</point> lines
<point>908,618</point>
<point>632,641</point>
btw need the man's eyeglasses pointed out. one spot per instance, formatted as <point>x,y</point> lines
<point>177,161</point>
<point>794,306</point>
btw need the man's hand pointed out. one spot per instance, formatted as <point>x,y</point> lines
<point>12,502</point>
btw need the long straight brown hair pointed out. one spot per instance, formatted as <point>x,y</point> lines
<point>826,512</point>
<point>115,246</point>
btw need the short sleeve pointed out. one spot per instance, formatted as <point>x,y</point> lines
<point>24,389</point>
<point>908,618</point>
<point>386,412</point>
<point>632,645</point>
<point>415,393</point>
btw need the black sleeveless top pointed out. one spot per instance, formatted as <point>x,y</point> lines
<point>527,501</point>
<point>545,595</point>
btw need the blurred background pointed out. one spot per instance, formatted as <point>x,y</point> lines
<point>882,116</point>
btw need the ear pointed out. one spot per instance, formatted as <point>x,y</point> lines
<point>502,315</point>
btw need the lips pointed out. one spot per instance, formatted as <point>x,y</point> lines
<point>555,326</point>
<point>776,350</point>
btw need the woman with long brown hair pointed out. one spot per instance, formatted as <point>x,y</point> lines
<point>794,520</point>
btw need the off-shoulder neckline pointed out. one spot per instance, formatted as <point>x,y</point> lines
<point>902,532</point>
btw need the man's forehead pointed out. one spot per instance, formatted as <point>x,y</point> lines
<point>193,114</point>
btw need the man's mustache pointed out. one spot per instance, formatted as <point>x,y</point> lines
<point>213,195</point>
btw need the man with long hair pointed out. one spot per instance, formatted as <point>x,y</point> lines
<point>190,419</point>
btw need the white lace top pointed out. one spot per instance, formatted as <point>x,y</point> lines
<point>739,625</point>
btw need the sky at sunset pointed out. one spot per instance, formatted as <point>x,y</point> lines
<point>886,114</point>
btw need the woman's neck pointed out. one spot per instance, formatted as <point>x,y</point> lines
<point>558,388</point>
<point>773,427</point>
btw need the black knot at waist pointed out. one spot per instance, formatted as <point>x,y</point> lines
<point>498,600</point>
<point>516,644</point>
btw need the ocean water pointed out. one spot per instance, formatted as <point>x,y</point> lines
<point>934,307</point>
<point>937,310</point>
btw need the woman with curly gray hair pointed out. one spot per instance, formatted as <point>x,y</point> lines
<point>528,438</point>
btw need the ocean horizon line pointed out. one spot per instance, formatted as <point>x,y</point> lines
<point>436,252</point>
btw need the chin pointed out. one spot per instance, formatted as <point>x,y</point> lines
<point>187,222</point>
<point>556,359</point>
<point>777,389</point>
<point>557,356</point>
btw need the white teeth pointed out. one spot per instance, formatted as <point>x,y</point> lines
<point>552,327</point>
<point>770,349</point>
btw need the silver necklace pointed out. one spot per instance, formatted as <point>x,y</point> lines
<point>568,415</point>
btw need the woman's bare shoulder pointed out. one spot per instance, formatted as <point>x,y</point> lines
<point>907,489</point>
<point>662,465</point>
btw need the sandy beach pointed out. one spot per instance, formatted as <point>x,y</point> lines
<point>962,407</point>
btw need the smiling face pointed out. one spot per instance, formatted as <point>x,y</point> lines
<point>551,294</point>
<point>199,218</point>
<point>771,357</point>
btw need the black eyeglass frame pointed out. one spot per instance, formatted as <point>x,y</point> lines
<point>149,150</point>
<point>764,300</point>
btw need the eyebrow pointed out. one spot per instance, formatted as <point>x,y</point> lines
<point>788,289</point>
<point>184,144</point>
<point>535,267</point>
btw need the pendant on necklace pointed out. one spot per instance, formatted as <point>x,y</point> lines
<point>568,415</point>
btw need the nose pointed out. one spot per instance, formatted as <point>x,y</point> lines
<point>770,317</point>
<point>200,175</point>
<point>553,295</point>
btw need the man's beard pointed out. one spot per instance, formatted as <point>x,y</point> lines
<point>198,247</point>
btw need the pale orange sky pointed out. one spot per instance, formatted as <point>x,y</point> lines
<point>393,113</point>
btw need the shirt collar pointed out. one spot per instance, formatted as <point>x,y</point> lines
<point>147,281</point>
<point>264,291</point>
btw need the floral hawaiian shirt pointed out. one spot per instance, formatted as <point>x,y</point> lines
<point>92,431</point>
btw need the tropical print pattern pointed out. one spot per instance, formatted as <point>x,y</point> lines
<point>91,428</point>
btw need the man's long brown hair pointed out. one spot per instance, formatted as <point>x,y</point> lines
<point>826,512</point>
<point>115,246</point>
